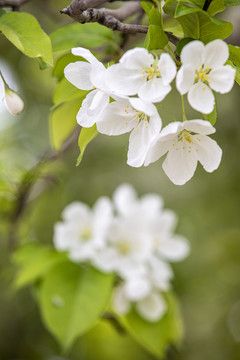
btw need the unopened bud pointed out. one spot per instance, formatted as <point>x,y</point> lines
<point>13,102</point>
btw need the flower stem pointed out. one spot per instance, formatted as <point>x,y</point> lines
<point>171,52</point>
<point>183,109</point>
<point>4,81</point>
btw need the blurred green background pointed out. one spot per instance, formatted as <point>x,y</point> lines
<point>207,283</point>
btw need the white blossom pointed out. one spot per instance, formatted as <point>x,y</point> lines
<point>185,143</point>
<point>202,71</point>
<point>151,308</point>
<point>138,72</point>
<point>137,116</point>
<point>88,75</point>
<point>83,230</point>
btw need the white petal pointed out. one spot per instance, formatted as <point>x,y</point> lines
<point>116,118</point>
<point>78,74</point>
<point>103,213</point>
<point>151,204</point>
<point>174,249</point>
<point>75,211</point>
<point>62,237</point>
<point>136,58</point>
<point>137,289</point>
<point>193,54</point>
<point>83,117</point>
<point>123,81</point>
<point>152,308</point>
<point>120,301</point>
<point>85,53</point>
<point>185,78</point>
<point>99,101</point>
<point>222,79</point>
<point>105,260</point>
<point>125,199</point>
<point>140,140</point>
<point>180,165</point>
<point>215,53</point>
<point>144,106</point>
<point>158,149</point>
<point>167,68</point>
<point>154,90</point>
<point>202,127</point>
<point>209,153</point>
<point>201,98</point>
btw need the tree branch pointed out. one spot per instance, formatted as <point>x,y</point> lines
<point>112,19</point>
<point>206,5</point>
<point>12,3</point>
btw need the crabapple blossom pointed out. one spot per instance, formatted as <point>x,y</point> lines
<point>137,116</point>
<point>83,230</point>
<point>185,143</point>
<point>88,75</point>
<point>138,72</point>
<point>159,223</point>
<point>202,71</point>
<point>151,307</point>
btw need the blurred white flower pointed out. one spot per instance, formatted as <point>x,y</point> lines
<point>185,143</point>
<point>151,307</point>
<point>137,116</point>
<point>83,230</point>
<point>88,75</point>
<point>138,72</point>
<point>202,71</point>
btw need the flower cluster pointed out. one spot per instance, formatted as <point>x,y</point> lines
<point>139,81</point>
<point>134,238</point>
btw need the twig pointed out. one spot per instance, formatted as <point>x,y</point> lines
<point>206,5</point>
<point>109,18</point>
<point>29,180</point>
<point>12,3</point>
<point>114,321</point>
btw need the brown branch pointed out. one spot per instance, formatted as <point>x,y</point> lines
<point>12,3</point>
<point>112,19</point>
<point>24,189</point>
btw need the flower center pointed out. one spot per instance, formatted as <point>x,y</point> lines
<point>202,74</point>
<point>184,141</point>
<point>123,247</point>
<point>85,234</point>
<point>152,71</point>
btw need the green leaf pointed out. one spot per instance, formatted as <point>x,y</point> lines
<point>237,75</point>
<point>157,39</point>
<point>63,121</point>
<point>65,92</point>
<point>170,7</point>
<point>198,24</point>
<point>234,54</point>
<point>25,33</point>
<point>34,262</point>
<point>2,12</point>
<point>155,337</point>
<point>216,7</point>
<point>232,2</point>
<point>212,117</point>
<point>85,137</point>
<point>62,62</point>
<point>147,6</point>
<point>72,299</point>
<point>91,34</point>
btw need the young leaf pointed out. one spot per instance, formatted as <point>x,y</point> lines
<point>72,299</point>
<point>157,39</point>
<point>63,121</point>
<point>234,54</point>
<point>34,262</point>
<point>155,337</point>
<point>85,137</point>
<point>91,34</point>
<point>212,117</point>
<point>65,92</point>
<point>25,33</point>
